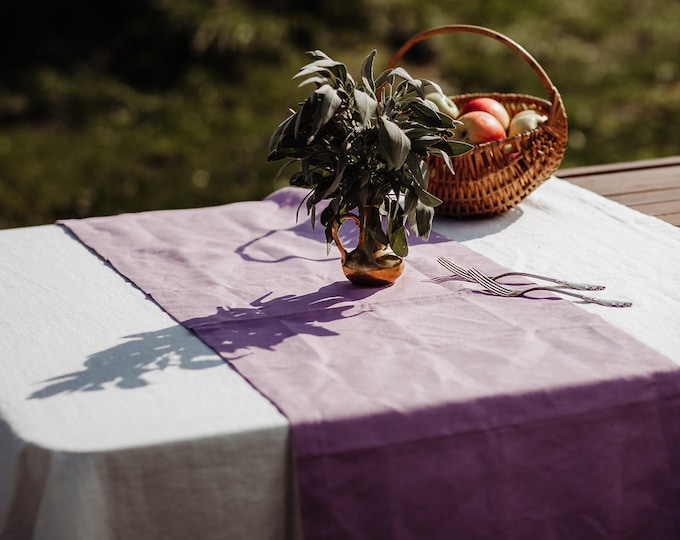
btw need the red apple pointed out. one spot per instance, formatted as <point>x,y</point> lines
<point>490,106</point>
<point>479,127</point>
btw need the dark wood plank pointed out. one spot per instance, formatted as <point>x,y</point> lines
<point>650,186</point>
<point>643,197</point>
<point>591,170</point>
<point>663,208</point>
<point>634,181</point>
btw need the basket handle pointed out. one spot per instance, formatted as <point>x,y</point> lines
<point>512,45</point>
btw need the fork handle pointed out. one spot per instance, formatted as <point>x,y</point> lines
<point>579,286</point>
<point>591,299</point>
<point>571,284</point>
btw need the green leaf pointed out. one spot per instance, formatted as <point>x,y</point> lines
<point>328,102</point>
<point>420,220</point>
<point>393,144</point>
<point>421,175</point>
<point>367,71</point>
<point>426,197</point>
<point>415,165</point>
<point>398,240</point>
<point>401,73</point>
<point>339,173</point>
<point>315,71</point>
<point>431,86</point>
<point>374,226</point>
<point>340,71</point>
<point>316,53</point>
<point>330,213</point>
<point>365,105</point>
<point>447,160</point>
<point>415,130</point>
<point>318,80</point>
<point>303,118</point>
<point>382,78</point>
<point>433,106</point>
<point>425,142</point>
<point>312,215</point>
<point>390,74</point>
<point>453,147</point>
<point>429,115</point>
<point>409,86</point>
<point>410,202</point>
<point>389,208</point>
<point>323,65</point>
<point>396,231</point>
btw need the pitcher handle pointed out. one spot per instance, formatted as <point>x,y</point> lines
<point>336,236</point>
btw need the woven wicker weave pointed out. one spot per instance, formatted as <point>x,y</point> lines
<point>490,178</point>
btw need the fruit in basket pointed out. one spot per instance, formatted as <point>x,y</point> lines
<point>479,127</point>
<point>444,103</point>
<point>525,121</point>
<point>488,105</point>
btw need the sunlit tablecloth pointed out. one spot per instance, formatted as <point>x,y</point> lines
<point>117,421</point>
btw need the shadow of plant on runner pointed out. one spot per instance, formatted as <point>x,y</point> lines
<point>267,322</point>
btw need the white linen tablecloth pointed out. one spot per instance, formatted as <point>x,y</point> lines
<point>100,385</point>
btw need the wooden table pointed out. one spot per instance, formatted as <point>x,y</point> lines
<point>650,186</point>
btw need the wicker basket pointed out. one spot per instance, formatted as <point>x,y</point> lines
<point>491,178</point>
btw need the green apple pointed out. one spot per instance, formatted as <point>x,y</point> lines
<point>525,121</point>
<point>444,103</point>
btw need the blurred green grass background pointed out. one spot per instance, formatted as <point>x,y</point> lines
<point>138,105</point>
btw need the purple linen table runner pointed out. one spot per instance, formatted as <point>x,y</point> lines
<point>426,410</point>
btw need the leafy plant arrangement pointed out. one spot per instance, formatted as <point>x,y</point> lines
<point>361,145</point>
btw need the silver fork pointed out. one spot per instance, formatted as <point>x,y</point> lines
<point>500,290</point>
<point>463,273</point>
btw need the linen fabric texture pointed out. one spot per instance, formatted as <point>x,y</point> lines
<point>428,409</point>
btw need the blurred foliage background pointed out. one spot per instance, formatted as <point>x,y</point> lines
<point>132,105</point>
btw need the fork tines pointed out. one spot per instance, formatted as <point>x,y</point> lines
<point>464,273</point>
<point>487,282</point>
<point>454,268</point>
